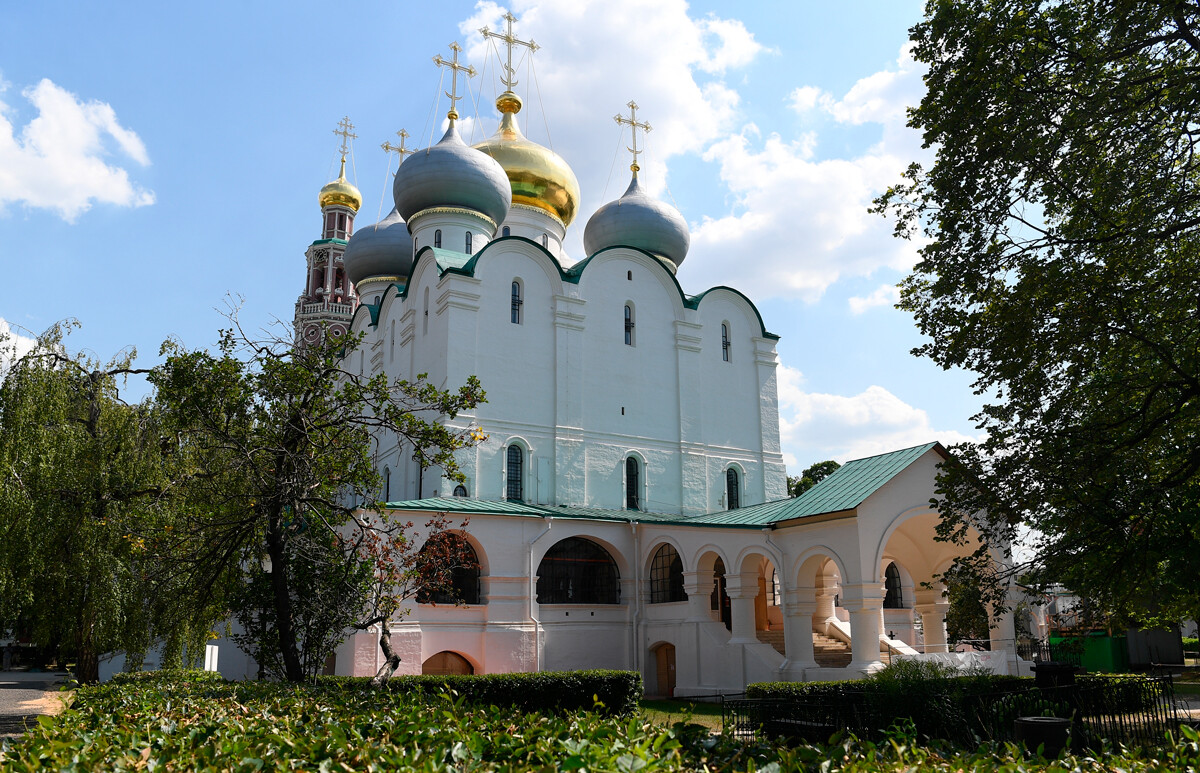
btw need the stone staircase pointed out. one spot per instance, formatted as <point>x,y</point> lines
<point>829,652</point>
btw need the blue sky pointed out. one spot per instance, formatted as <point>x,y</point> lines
<point>157,157</point>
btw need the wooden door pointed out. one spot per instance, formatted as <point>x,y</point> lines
<point>447,662</point>
<point>664,666</point>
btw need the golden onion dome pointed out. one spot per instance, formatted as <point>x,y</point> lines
<point>540,177</point>
<point>340,192</point>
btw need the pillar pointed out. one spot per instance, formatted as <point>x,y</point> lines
<point>863,602</point>
<point>1002,630</point>
<point>699,587</point>
<point>742,590</point>
<point>798,632</point>
<point>932,606</point>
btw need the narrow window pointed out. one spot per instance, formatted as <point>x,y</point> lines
<point>516,458</point>
<point>392,345</point>
<point>387,484</point>
<point>629,275</point>
<point>894,598</point>
<point>425,318</point>
<point>631,484</point>
<point>506,231</point>
<point>724,342</point>
<point>468,242</point>
<point>341,225</point>
<point>330,224</point>
<point>732,498</point>
<point>437,238</point>
<point>515,314</point>
<point>628,325</point>
<point>460,491</point>
<point>546,241</point>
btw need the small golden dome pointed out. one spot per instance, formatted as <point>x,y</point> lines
<point>539,176</point>
<point>340,192</point>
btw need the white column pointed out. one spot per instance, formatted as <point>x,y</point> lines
<point>742,589</point>
<point>798,632</point>
<point>698,586</point>
<point>932,607</point>
<point>863,602</point>
<point>1002,632</point>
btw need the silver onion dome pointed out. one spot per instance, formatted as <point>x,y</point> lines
<point>382,249</point>
<point>451,174</point>
<point>637,220</point>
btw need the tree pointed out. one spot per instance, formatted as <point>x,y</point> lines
<point>811,477</point>
<point>1060,262</point>
<point>280,440</point>
<point>82,477</point>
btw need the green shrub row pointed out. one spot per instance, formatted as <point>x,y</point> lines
<point>183,721</point>
<point>610,692</point>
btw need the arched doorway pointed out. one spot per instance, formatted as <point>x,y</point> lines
<point>447,662</point>
<point>664,669</point>
<point>720,597</point>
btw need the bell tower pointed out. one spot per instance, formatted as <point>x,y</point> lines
<point>328,300</point>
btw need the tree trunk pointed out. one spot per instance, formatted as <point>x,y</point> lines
<point>87,660</point>
<point>292,668</point>
<point>391,659</point>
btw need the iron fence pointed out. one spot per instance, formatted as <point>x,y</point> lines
<point>1045,652</point>
<point>1135,711</point>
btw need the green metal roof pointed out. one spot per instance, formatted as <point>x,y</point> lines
<point>845,489</point>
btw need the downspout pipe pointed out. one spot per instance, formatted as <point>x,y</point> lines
<point>537,624</point>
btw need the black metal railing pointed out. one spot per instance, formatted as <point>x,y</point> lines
<point>1045,652</point>
<point>1136,711</point>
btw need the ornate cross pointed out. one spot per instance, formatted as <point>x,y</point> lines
<point>400,150</point>
<point>346,130</point>
<point>633,124</point>
<point>509,41</point>
<point>455,68</point>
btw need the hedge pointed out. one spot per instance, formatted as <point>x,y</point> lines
<point>615,692</point>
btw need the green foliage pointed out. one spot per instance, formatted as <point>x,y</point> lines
<point>967,617</point>
<point>189,721</point>
<point>1061,263</point>
<point>609,692</point>
<point>813,475</point>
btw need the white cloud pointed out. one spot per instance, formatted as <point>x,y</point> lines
<point>13,345</point>
<point>58,161</point>
<point>816,426</point>
<point>884,295</point>
<point>803,218</point>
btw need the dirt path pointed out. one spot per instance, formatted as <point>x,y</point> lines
<point>24,696</point>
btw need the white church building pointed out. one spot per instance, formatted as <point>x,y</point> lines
<point>629,507</point>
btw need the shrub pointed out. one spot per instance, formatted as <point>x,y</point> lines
<point>617,692</point>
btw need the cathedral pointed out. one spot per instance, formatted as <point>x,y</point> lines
<point>629,506</point>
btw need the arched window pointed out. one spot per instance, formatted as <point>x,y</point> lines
<point>628,325</point>
<point>425,318</point>
<point>468,242</point>
<point>724,342</point>
<point>437,238</point>
<point>632,484</point>
<point>666,576</point>
<point>387,484</point>
<point>449,570</point>
<point>894,597</point>
<point>515,313</point>
<point>546,241</point>
<point>578,571</point>
<point>460,490</point>
<point>506,231</point>
<point>732,489</point>
<point>515,463</point>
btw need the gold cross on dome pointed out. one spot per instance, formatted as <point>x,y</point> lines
<point>509,41</point>
<point>633,124</point>
<point>400,150</point>
<point>346,130</point>
<point>455,68</point>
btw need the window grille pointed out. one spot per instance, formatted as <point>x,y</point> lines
<point>631,484</point>
<point>515,315</point>
<point>458,583</point>
<point>894,597</point>
<point>516,459</point>
<point>666,576</point>
<point>628,325</point>
<point>578,571</point>
<point>437,238</point>
<point>725,342</point>
<point>732,498</point>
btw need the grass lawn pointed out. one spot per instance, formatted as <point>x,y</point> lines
<point>668,712</point>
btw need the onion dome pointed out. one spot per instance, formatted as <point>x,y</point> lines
<point>382,249</point>
<point>539,177</point>
<point>451,174</point>
<point>340,192</point>
<point>636,220</point>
